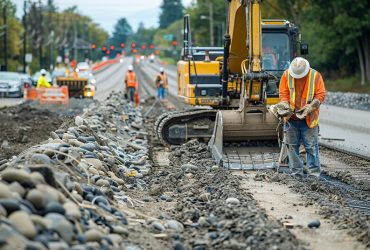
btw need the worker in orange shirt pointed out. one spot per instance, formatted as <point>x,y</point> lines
<point>131,83</point>
<point>301,93</point>
<point>161,83</point>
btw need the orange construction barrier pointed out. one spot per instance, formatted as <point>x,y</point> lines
<point>54,95</point>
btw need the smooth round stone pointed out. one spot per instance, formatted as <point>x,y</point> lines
<point>37,178</point>
<point>64,228</point>
<point>5,191</point>
<point>72,210</point>
<point>102,182</point>
<point>93,235</point>
<point>67,136</point>
<point>34,245</point>
<point>40,159</point>
<point>75,142</point>
<point>23,223</point>
<point>115,238</point>
<point>205,196</point>
<point>77,196</point>
<point>54,207</point>
<point>54,135</point>
<point>314,224</point>
<point>79,121</point>
<point>10,205</point>
<point>36,197</point>
<point>58,245</point>
<point>120,230</point>
<point>88,147</point>
<point>232,201</point>
<point>95,163</point>
<point>158,226</point>
<point>175,225</point>
<point>50,193</point>
<point>18,188</point>
<point>11,175</point>
<point>3,211</point>
<point>179,246</point>
<point>93,170</point>
<point>40,221</point>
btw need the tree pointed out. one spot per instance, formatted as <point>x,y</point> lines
<point>171,11</point>
<point>122,30</point>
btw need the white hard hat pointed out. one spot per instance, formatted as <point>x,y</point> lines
<point>161,69</point>
<point>299,67</point>
<point>43,72</point>
<point>130,68</point>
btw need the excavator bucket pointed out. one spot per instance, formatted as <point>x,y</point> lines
<point>246,140</point>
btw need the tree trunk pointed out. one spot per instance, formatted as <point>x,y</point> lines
<point>362,63</point>
<point>366,51</point>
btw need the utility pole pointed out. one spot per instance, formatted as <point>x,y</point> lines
<point>51,36</point>
<point>40,34</point>
<point>211,35</point>
<point>5,23</point>
<point>24,35</point>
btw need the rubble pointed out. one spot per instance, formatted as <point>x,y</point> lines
<point>348,100</point>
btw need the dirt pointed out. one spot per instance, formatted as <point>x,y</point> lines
<point>23,126</point>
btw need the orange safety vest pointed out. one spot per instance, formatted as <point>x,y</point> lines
<point>163,79</point>
<point>131,80</point>
<point>312,120</point>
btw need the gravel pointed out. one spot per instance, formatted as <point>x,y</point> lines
<point>348,100</point>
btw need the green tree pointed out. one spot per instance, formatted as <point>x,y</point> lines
<point>122,31</point>
<point>171,10</point>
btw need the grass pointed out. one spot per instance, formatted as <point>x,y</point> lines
<point>349,84</point>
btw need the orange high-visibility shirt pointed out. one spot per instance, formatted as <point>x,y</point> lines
<point>130,80</point>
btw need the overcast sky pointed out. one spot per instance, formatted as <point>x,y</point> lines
<point>107,12</point>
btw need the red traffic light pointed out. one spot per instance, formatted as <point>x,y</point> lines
<point>133,45</point>
<point>93,46</point>
<point>112,47</point>
<point>143,46</point>
<point>152,46</point>
<point>122,45</point>
<point>174,43</point>
<point>108,52</point>
<point>104,48</point>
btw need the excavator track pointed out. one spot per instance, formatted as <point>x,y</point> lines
<point>175,128</point>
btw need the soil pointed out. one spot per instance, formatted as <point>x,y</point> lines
<point>23,126</point>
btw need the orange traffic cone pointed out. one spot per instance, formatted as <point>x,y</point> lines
<point>137,99</point>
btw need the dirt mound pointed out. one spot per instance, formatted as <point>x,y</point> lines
<point>23,126</point>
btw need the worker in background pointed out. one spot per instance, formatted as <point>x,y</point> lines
<point>161,83</point>
<point>301,93</point>
<point>131,83</point>
<point>42,82</point>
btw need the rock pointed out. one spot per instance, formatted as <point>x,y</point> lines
<point>40,159</point>
<point>79,121</point>
<point>215,168</point>
<point>5,191</point>
<point>96,163</point>
<point>88,146</point>
<point>11,175</point>
<point>93,170</point>
<point>23,223</point>
<point>115,238</point>
<point>175,225</point>
<point>10,239</point>
<point>93,235</point>
<point>10,205</point>
<point>50,193</point>
<point>37,178</point>
<point>36,197</point>
<point>3,211</point>
<point>40,221</point>
<point>64,228</point>
<point>158,226</point>
<point>67,137</point>
<point>189,167</point>
<point>179,246</point>
<point>232,201</point>
<point>72,210</point>
<point>58,245</point>
<point>120,230</point>
<point>75,142</point>
<point>314,224</point>
<point>18,188</point>
<point>102,182</point>
<point>54,135</point>
<point>34,245</point>
<point>205,197</point>
<point>54,207</point>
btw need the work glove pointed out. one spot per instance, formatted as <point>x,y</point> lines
<point>282,109</point>
<point>308,109</point>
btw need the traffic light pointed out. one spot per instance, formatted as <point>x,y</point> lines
<point>112,47</point>
<point>108,52</point>
<point>133,45</point>
<point>151,46</point>
<point>143,46</point>
<point>122,45</point>
<point>93,46</point>
<point>104,48</point>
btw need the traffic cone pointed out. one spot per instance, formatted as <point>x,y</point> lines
<point>137,99</point>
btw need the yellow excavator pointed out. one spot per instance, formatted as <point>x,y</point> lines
<point>236,84</point>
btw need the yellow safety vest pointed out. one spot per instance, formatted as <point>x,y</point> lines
<point>312,120</point>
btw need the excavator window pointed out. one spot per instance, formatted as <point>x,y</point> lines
<point>276,51</point>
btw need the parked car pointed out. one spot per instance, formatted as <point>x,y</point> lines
<point>37,75</point>
<point>12,84</point>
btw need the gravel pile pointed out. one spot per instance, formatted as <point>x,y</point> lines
<point>216,213</point>
<point>70,191</point>
<point>348,100</point>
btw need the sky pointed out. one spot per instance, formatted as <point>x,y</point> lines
<point>107,12</point>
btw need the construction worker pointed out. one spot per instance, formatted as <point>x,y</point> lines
<point>42,82</point>
<point>161,83</point>
<point>301,93</point>
<point>131,83</point>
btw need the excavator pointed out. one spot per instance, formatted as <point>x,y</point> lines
<point>232,89</point>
